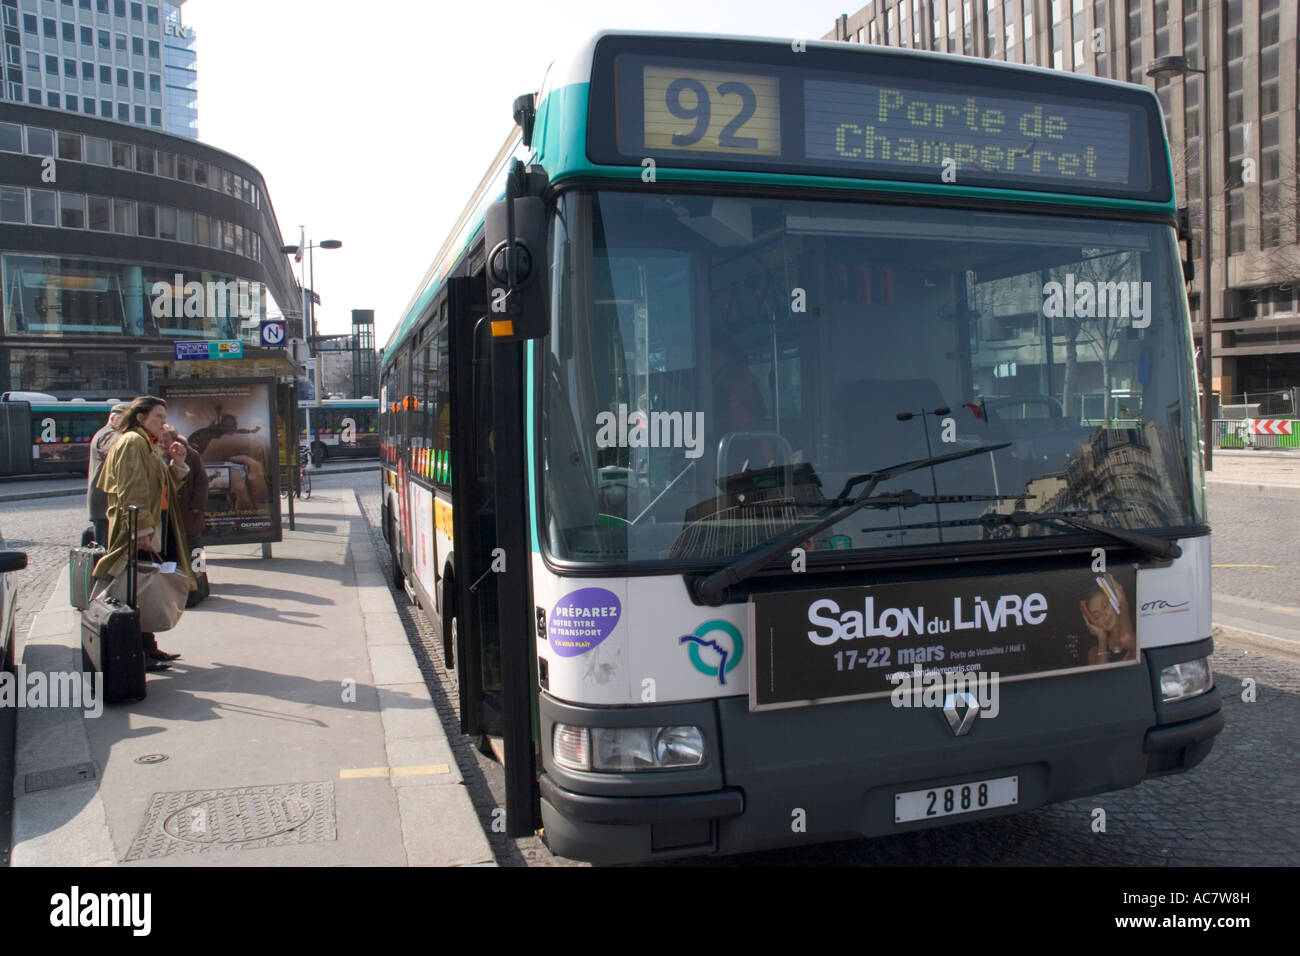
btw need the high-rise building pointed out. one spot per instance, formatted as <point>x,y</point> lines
<point>1248,50</point>
<point>131,61</point>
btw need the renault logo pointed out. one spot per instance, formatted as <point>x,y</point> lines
<point>952,709</point>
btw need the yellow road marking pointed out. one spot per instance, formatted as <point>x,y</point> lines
<point>1283,607</point>
<point>1243,565</point>
<point>417,770</point>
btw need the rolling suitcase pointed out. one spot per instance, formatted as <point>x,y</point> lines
<point>110,639</point>
<point>81,562</point>
<point>202,591</point>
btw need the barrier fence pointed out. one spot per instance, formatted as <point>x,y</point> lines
<point>1239,433</point>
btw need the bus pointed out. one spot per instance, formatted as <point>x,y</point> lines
<point>46,435</point>
<point>340,428</point>
<point>743,439</point>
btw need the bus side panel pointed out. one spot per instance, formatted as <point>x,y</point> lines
<point>423,558</point>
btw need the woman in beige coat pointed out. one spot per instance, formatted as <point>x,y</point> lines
<point>138,472</point>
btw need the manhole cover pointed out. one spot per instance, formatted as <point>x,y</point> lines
<point>151,758</point>
<point>245,818</point>
<point>238,818</point>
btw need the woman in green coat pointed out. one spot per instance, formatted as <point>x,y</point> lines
<point>138,472</point>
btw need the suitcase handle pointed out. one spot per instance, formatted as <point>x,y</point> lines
<point>132,517</point>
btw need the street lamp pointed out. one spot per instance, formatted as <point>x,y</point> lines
<point>310,312</point>
<point>1178,66</point>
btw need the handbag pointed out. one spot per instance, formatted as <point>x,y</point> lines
<point>160,594</point>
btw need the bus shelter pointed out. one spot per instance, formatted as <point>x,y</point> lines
<point>250,462</point>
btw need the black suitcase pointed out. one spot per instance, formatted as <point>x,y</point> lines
<point>202,591</point>
<point>81,562</point>
<point>110,639</point>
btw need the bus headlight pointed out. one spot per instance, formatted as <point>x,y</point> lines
<point>627,748</point>
<point>1180,681</point>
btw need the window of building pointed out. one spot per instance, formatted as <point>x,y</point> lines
<point>122,77</point>
<point>144,159</point>
<point>137,79</point>
<point>103,40</point>
<point>214,233</point>
<point>202,236</point>
<point>200,173</point>
<point>166,222</point>
<point>13,204</point>
<point>70,68</point>
<point>51,65</point>
<point>40,142</point>
<point>106,109</point>
<point>88,105</point>
<point>124,217</point>
<point>153,49</point>
<point>70,32</point>
<point>34,97</point>
<point>105,74</point>
<point>87,36</point>
<point>184,168</point>
<point>137,46</point>
<point>52,99</point>
<point>97,150</point>
<point>119,8</point>
<point>139,114</point>
<point>11,138</point>
<point>119,42</point>
<point>29,24</point>
<point>151,15</point>
<point>101,6</point>
<point>87,70</point>
<point>184,225</point>
<point>155,117</point>
<point>70,102</point>
<point>50,27</point>
<point>70,146</point>
<point>137,12</point>
<point>146,219</point>
<point>155,83</point>
<point>44,205</point>
<point>123,156</point>
<point>72,210</point>
<point>33,60</point>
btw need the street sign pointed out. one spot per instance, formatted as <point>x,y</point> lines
<point>1271,426</point>
<point>218,349</point>
<point>273,332</point>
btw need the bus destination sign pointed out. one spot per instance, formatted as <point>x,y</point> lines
<point>888,126</point>
<point>969,125</point>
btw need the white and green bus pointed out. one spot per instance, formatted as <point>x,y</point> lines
<point>798,442</point>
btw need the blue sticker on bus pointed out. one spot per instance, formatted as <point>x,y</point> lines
<point>582,619</point>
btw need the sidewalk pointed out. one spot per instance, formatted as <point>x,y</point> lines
<point>57,486</point>
<point>296,729</point>
<point>1270,472</point>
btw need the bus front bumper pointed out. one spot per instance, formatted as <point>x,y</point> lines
<point>802,776</point>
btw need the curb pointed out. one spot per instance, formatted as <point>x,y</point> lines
<point>1262,488</point>
<point>1253,640</point>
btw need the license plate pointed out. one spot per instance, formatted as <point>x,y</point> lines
<point>958,798</point>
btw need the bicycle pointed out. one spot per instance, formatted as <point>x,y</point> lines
<point>303,489</point>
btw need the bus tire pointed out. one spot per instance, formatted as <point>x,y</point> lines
<point>398,577</point>
<point>447,619</point>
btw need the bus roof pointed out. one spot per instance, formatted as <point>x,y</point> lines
<point>566,148</point>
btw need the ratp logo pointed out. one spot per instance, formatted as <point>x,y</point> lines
<point>727,657</point>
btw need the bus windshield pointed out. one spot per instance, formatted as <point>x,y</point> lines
<point>723,369</point>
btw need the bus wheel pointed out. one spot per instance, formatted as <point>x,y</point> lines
<point>399,578</point>
<point>450,632</point>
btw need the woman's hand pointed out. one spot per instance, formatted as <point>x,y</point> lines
<point>176,452</point>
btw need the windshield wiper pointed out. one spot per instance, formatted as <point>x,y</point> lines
<point>710,589</point>
<point>1146,543</point>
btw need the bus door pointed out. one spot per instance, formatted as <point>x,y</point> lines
<point>492,596</point>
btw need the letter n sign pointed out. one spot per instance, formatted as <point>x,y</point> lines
<point>272,332</point>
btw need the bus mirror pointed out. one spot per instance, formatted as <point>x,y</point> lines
<point>517,304</point>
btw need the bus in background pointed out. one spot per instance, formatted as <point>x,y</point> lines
<point>747,447</point>
<point>44,435</point>
<point>340,428</point>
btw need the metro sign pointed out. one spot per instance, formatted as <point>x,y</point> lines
<point>1271,426</point>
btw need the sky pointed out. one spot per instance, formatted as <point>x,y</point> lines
<point>372,123</point>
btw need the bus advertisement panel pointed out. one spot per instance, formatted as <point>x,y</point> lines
<point>231,423</point>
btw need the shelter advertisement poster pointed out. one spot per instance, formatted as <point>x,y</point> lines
<point>818,646</point>
<point>232,425</point>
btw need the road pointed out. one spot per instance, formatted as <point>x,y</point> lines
<point>1238,808</point>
